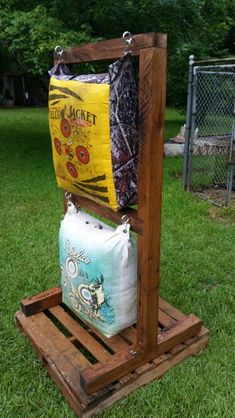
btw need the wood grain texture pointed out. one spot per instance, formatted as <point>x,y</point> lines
<point>92,345</point>
<point>151,115</point>
<point>162,366</point>
<point>98,375</point>
<point>41,301</point>
<point>64,370</point>
<point>58,355</point>
<point>53,350</point>
<point>112,49</point>
<point>86,203</point>
<point>170,310</point>
<point>178,334</point>
<point>165,320</point>
<point>75,403</point>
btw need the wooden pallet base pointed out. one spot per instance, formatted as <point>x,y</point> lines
<point>67,347</point>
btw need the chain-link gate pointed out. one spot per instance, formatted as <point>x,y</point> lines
<point>210,130</point>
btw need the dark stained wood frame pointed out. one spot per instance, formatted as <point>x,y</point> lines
<point>152,52</point>
<point>146,221</point>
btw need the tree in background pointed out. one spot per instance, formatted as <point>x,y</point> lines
<point>29,38</point>
<point>31,29</point>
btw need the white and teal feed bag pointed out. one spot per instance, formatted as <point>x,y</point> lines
<point>98,271</point>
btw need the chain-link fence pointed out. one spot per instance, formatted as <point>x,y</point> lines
<point>210,131</point>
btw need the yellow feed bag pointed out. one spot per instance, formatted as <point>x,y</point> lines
<point>92,123</point>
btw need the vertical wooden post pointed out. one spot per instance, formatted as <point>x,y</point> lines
<point>151,126</point>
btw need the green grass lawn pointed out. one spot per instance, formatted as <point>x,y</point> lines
<point>174,121</point>
<point>197,276</point>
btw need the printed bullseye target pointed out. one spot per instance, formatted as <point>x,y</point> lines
<point>74,302</point>
<point>65,127</point>
<point>71,267</point>
<point>71,169</point>
<point>58,147</point>
<point>82,154</point>
<point>84,294</point>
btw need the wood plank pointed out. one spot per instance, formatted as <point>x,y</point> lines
<point>171,310</point>
<point>58,379</point>
<point>97,376</point>
<point>129,335</point>
<point>182,331</point>
<point>41,301</point>
<point>77,359</point>
<point>151,117</point>
<point>51,351</point>
<point>112,49</point>
<point>55,349</point>
<point>135,222</point>
<point>46,300</point>
<point>116,344</point>
<point>177,349</point>
<point>96,349</point>
<point>149,376</point>
<point>165,320</point>
<point>204,331</point>
<point>92,345</point>
<point>72,339</point>
<point>89,406</point>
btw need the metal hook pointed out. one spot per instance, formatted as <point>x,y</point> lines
<point>59,52</point>
<point>125,221</point>
<point>127,38</point>
<point>68,195</point>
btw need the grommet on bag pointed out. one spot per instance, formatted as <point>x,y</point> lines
<point>99,226</point>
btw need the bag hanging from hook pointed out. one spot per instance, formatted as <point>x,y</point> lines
<point>98,271</point>
<point>93,126</point>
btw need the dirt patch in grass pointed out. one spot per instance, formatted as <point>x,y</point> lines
<point>224,215</point>
<point>178,175</point>
<point>213,194</point>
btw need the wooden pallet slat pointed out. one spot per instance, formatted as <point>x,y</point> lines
<point>65,372</point>
<point>92,345</point>
<point>41,301</point>
<point>49,350</point>
<point>96,376</point>
<point>78,360</point>
<point>170,310</point>
<point>165,320</point>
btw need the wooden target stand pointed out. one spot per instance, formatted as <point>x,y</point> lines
<point>92,371</point>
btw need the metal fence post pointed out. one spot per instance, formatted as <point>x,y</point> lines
<point>231,161</point>
<point>188,124</point>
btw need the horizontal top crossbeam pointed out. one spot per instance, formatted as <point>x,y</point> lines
<point>112,49</point>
